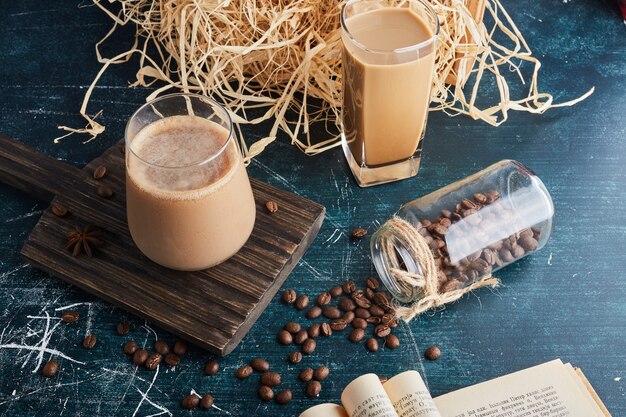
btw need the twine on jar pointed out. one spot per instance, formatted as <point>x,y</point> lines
<point>427,282</point>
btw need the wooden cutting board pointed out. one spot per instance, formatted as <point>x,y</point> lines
<point>213,308</point>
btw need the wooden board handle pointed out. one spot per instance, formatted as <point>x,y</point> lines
<point>33,172</point>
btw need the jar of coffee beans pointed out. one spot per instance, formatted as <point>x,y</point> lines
<point>472,227</point>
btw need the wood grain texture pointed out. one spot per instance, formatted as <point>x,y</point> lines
<point>213,308</point>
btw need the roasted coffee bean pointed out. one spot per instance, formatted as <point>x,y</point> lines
<point>308,346</point>
<point>373,320</point>
<point>313,313</point>
<point>432,353</point>
<point>271,379</point>
<point>360,299</point>
<point>292,327</point>
<point>289,296</point>
<point>244,372</point>
<point>300,337</point>
<point>453,284</point>
<point>348,286</point>
<point>130,347</point>
<point>122,328</point>
<point>338,325</point>
<point>331,312</point>
<point>437,244</point>
<point>99,172</point>
<point>469,212</point>
<point>518,251</point>
<point>358,233</point>
<point>468,204</point>
<point>180,348</point>
<point>153,361</point>
<point>211,368</point>
<point>160,346</point>
<point>206,401</point>
<point>490,256</point>
<point>323,299</point>
<point>492,196</point>
<point>336,291</point>
<point>470,275</point>
<point>440,230</point>
<point>445,214</point>
<point>313,389</point>
<point>525,233</point>
<point>260,365</point>
<point>89,342</point>
<point>383,379</point>
<point>314,330</point>
<point>392,341</point>
<point>271,206</point>
<point>50,369</point>
<point>359,323</point>
<point>480,198</point>
<point>172,359</point>
<point>190,402</point>
<point>346,304</point>
<point>445,222</point>
<point>283,397</point>
<point>306,375</point>
<point>362,313</point>
<point>356,335</point>
<point>348,316</point>
<point>373,283</point>
<point>505,255</point>
<point>381,299</point>
<point>284,337</point>
<point>58,209</point>
<point>265,393</point>
<point>528,243</point>
<point>321,373</point>
<point>326,329</point>
<point>369,293</point>
<point>425,223</point>
<point>105,191</point>
<point>295,357</point>
<point>302,302</point>
<point>509,243</point>
<point>389,320</point>
<point>371,344</point>
<point>70,316</point>
<point>140,356</point>
<point>376,310</point>
<point>382,331</point>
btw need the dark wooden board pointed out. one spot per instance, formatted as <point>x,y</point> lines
<point>213,308</point>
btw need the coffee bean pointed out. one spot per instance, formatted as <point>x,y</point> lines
<point>211,368</point>
<point>172,359</point>
<point>122,328</point>
<point>383,379</point>
<point>314,330</point>
<point>283,397</point>
<point>331,312</point>
<point>445,222</point>
<point>505,255</point>
<point>490,256</point>
<point>105,191</point>
<point>190,402</point>
<point>271,379</point>
<point>390,320</point>
<point>373,320</point>
<point>360,299</point>
<point>260,365</point>
<point>130,347</point>
<point>284,337</point>
<point>58,209</point>
<point>244,372</point>
<point>308,347</point>
<point>160,346</point>
<point>321,373</point>
<point>528,243</point>
<point>292,327</point>
<point>206,401</point>
<point>468,204</point>
<point>432,353</point>
<point>302,302</point>
<point>358,233</point>
<point>371,344</point>
<point>326,329</point>
<point>89,342</point>
<point>295,357</point>
<point>480,198</point>
<point>373,283</point>
<point>313,389</point>
<point>140,356</point>
<point>369,293</point>
<point>306,375</point>
<point>314,312</point>
<point>271,206</point>
<point>348,286</point>
<point>492,196</point>
<point>362,313</point>
<point>265,393</point>
<point>323,299</point>
<point>518,252</point>
<point>50,369</point>
<point>381,299</point>
<point>359,323</point>
<point>509,243</point>
<point>70,316</point>
<point>356,335</point>
<point>99,172</point>
<point>336,291</point>
<point>300,337</point>
<point>392,341</point>
<point>451,285</point>
<point>338,325</point>
<point>153,361</point>
<point>525,233</point>
<point>348,316</point>
<point>346,304</point>
<point>289,296</point>
<point>376,310</point>
<point>180,348</point>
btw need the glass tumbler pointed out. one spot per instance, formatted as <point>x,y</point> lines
<point>188,197</point>
<point>388,58</point>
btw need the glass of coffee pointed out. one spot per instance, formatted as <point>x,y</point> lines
<point>388,59</point>
<point>188,197</point>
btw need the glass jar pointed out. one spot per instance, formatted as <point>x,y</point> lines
<point>473,227</point>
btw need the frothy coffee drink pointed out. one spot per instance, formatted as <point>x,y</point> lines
<point>189,201</point>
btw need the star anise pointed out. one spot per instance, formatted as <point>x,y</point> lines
<point>83,240</point>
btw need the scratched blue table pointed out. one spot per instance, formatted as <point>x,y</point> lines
<point>567,301</point>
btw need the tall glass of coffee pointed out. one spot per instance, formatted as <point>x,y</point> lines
<point>188,197</point>
<point>388,59</point>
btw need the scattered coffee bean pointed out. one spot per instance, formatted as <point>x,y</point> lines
<point>265,393</point>
<point>371,344</point>
<point>314,330</point>
<point>172,359</point>
<point>338,325</point>
<point>190,402</point>
<point>289,296</point>
<point>284,337</point>
<point>130,347</point>
<point>362,313</point>
<point>292,327</point>
<point>50,369</point>
<point>244,372</point>
<point>336,291</point>
<point>122,328</point>
<point>308,347</point>
<point>153,361</point>
<point>306,374</point>
<point>283,397</point>
<point>99,172</point>
<point>271,206</point>
<point>326,329</point>
<point>376,311</point>
<point>373,320</point>
<point>369,293</point>
<point>295,357</point>
<point>356,335</point>
<point>314,312</point>
<point>323,299</point>
<point>346,304</point>
<point>70,316</point>
<point>360,299</point>
<point>160,346</point>
<point>140,356</point>
<point>321,373</point>
<point>373,283</point>
<point>89,342</point>
<point>211,368</point>
<point>180,348</point>
<point>313,389</point>
<point>392,341</point>
<point>302,302</point>
<point>331,312</point>
<point>348,316</point>
<point>348,286</point>
<point>381,299</point>
<point>389,320</point>
<point>383,379</point>
<point>359,323</point>
<point>382,331</point>
<point>58,209</point>
<point>206,401</point>
<point>432,353</point>
<point>260,365</point>
<point>358,233</point>
<point>271,379</point>
<point>300,337</point>
<point>105,191</point>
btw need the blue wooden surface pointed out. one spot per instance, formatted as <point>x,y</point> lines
<point>567,301</point>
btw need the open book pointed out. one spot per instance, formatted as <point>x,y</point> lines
<point>553,389</point>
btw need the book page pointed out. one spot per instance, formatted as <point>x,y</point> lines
<point>409,395</point>
<point>325,410</point>
<point>592,392</point>
<point>542,391</point>
<point>366,397</point>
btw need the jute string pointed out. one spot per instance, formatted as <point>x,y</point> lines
<point>428,281</point>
